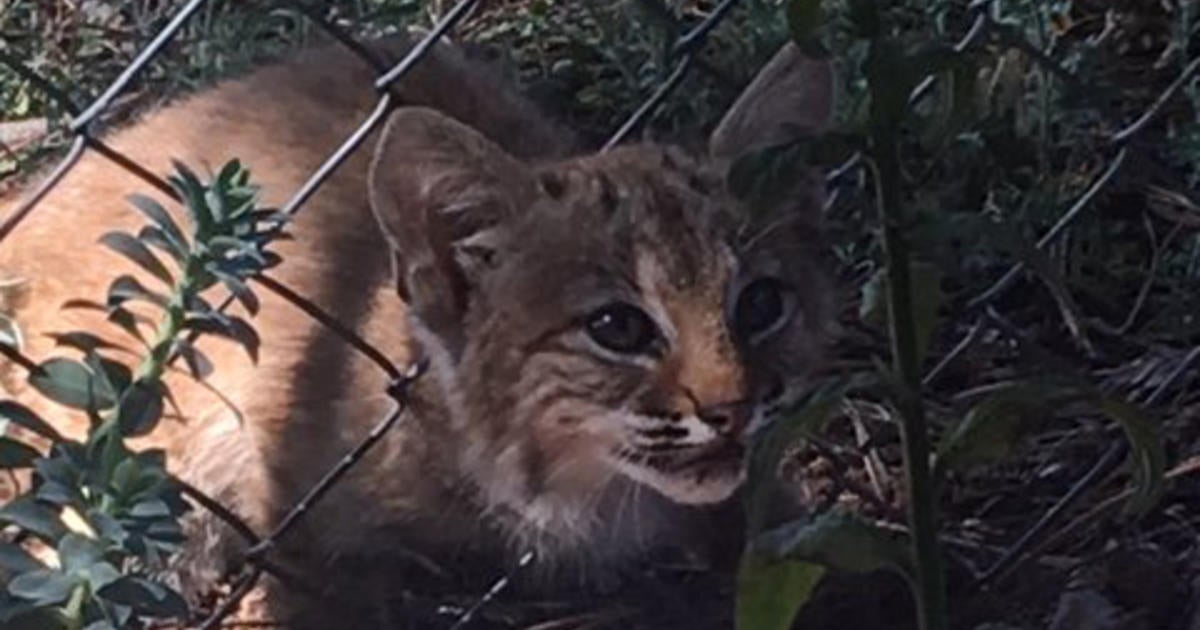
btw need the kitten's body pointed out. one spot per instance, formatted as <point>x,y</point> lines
<point>509,442</point>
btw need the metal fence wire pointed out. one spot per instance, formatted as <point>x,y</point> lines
<point>85,128</point>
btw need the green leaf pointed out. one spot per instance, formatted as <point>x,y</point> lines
<point>43,587</point>
<point>151,508</point>
<point>232,174</point>
<point>925,281</point>
<point>77,552</point>
<point>156,213</point>
<point>113,377</point>
<point>244,295</point>
<point>840,541</point>
<point>146,596</point>
<point>24,417</point>
<point>15,559</point>
<point>14,454</point>
<point>99,574</point>
<point>70,383</point>
<point>126,288</point>
<point>771,592</point>
<point>770,444</point>
<point>231,327</point>
<point>1147,451</point>
<point>33,517</point>
<point>993,428</point>
<point>197,362</point>
<point>135,250</point>
<point>140,408</point>
<point>128,322</point>
<point>84,341</point>
<point>191,190</point>
<point>107,527</point>
<point>156,237</point>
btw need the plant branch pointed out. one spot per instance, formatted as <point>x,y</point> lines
<point>922,506</point>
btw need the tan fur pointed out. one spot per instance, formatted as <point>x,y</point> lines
<point>520,435</point>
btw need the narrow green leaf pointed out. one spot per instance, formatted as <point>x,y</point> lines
<point>84,341</point>
<point>192,191</point>
<point>1147,452</point>
<point>24,417</point>
<point>128,322</point>
<point>135,250</point>
<point>770,444</point>
<point>99,574</point>
<point>994,427</point>
<point>145,596</point>
<point>126,288</point>
<point>150,508</point>
<point>771,592</point>
<point>157,238</point>
<point>156,213</point>
<point>231,327</point>
<point>197,362</point>
<point>77,552</point>
<point>140,408</point>
<point>112,377</point>
<point>33,517</point>
<point>70,383</point>
<point>43,587</point>
<point>840,541</point>
<point>244,295</point>
<point>15,559</point>
<point>231,173</point>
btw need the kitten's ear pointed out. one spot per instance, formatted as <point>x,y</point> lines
<point>790,95</point>
<point>439,189</point>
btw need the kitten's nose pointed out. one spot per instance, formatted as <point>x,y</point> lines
<point>728,418</point>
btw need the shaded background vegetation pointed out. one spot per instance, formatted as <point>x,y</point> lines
<point>993,159</point>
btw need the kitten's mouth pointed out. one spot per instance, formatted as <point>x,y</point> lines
<point>696,476</point>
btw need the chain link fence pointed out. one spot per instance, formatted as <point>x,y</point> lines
<point>85,128</point>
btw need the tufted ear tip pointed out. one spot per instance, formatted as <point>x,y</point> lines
<point>793,93</point>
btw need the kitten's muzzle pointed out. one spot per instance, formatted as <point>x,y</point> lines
<point>729,419</point>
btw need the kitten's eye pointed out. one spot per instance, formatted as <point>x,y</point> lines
<point>622,328</point>
<point>760,307</point>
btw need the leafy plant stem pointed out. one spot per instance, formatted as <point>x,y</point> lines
<point>155,362</point>
<point>922,509</point>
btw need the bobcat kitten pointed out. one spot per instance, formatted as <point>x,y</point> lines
<point>601,329</point>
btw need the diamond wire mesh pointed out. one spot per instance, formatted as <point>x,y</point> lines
<point>84,127</point>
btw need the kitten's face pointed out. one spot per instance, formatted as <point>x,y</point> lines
<point>635,321</point>
<point>614,316</point>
